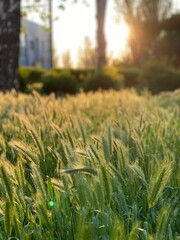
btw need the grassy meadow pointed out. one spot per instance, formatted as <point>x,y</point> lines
<point>101,165</point>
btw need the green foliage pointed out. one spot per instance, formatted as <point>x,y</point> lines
<point>154,75</point>
<point>59,82</point>
<point>29,75</point>
<point>131,76</point>
<point>81,75</point>
<point>108,78</point>
<point>158,76</point>
<point>168,43</point>
<point>101,165</point>
<point>145,19</point>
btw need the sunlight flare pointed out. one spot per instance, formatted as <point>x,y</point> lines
<point>117,38</point>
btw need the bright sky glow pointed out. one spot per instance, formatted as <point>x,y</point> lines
<point>78,21</point>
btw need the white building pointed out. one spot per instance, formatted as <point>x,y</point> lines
<point>35,45</point>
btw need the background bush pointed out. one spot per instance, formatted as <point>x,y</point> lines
<point>59,82</point>
<point>157,76</point>
<point>131,76</point>
<point>109,78</point>
<point>81,75</point>
<point>29,75</point>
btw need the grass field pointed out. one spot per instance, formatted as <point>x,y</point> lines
<point>96,166</point>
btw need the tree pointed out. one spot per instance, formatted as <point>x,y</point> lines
<point>10,16</point>
<point>9,40</point>
<point>87,55</point>
<point>101,6</point>
<point>169,39</point>
<point>144,18</point>
<point>9,43</point>
<point>101,42</point>
<point>66,59</point>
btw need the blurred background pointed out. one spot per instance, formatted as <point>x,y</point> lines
<point>69,46</point>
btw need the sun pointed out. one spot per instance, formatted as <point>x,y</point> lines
<point>117,36</point>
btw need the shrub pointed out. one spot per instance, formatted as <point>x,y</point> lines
<point>81,75</point>
<point>29,75</point>
<point>157,76</point>
<point>59,82</point>
<point>108,78</point>
<point>131,76</point>
<point>85,72</point>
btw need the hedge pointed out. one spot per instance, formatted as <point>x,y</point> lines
<point>60,82</point>
<point>131,76</point>
<point>29,75</point>
<point>108,78</point>
<point>155,75</point>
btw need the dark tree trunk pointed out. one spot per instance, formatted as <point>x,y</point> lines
<point>101,43</point>
<point>9,44</point>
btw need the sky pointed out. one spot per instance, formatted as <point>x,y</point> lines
<point>78,21</point>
